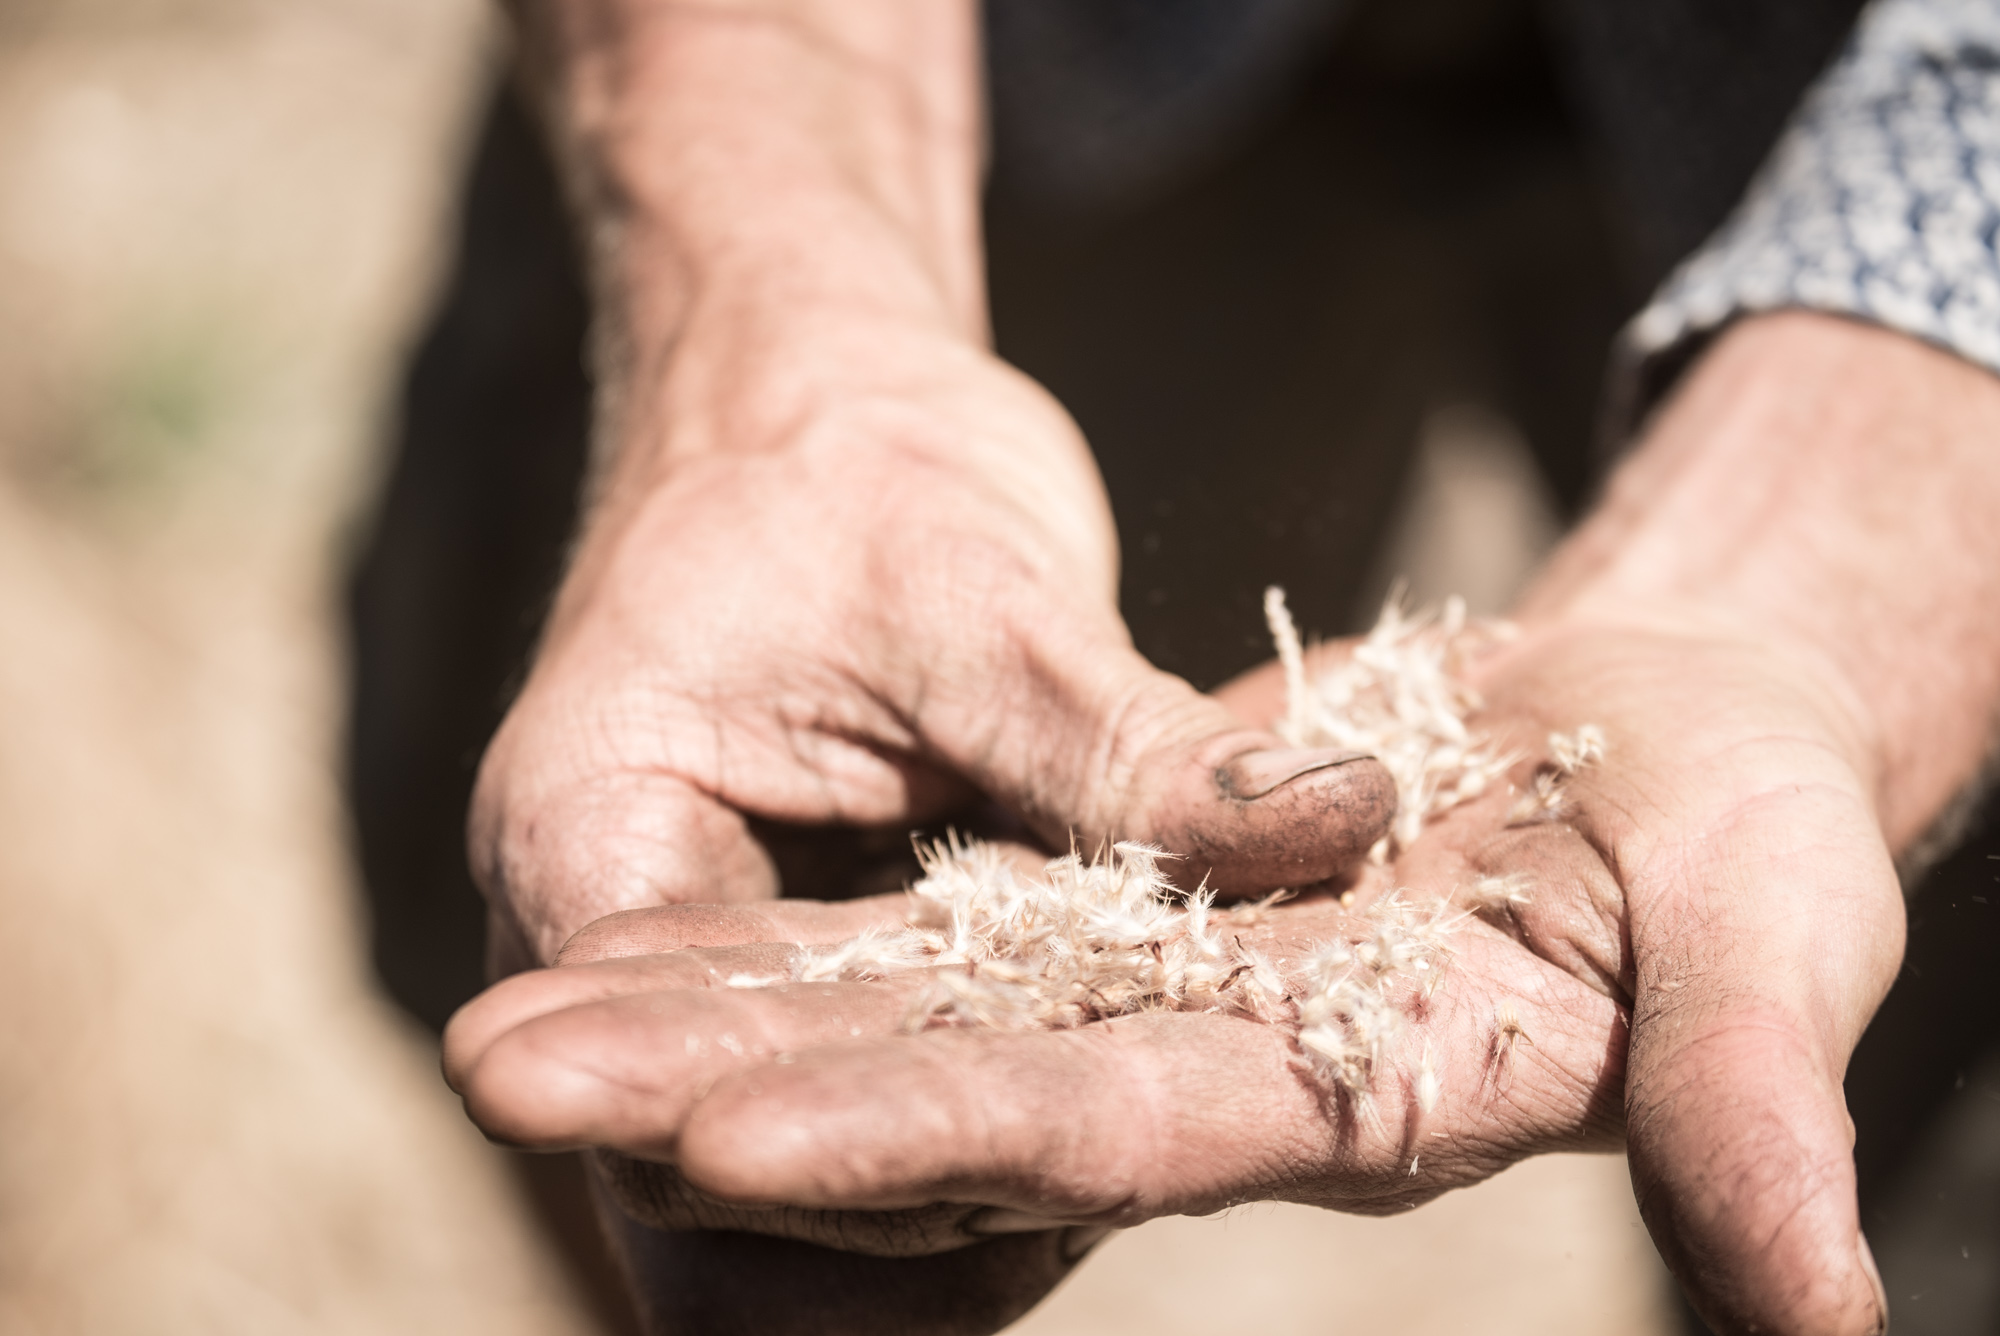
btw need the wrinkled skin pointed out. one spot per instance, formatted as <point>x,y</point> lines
<point>890,601</point>
<point>1722,865</point>
<point>747,640</point>
<point>1794,678</point>
<point>843,569</point>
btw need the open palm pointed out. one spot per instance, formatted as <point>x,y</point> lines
<point>1716,886</point>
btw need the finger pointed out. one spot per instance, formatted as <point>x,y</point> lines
<point>639,932</point>
<point>1087,738</point>
<point>1075,1125</point>
<point>1117,1122</point>
<point>660,949</point>
<point>520,998</point>
<point>623,1072</point>
<point>657,1196</point>
<point>1756,974</point>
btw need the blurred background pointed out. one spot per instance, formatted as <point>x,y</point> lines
<point>292,415</point>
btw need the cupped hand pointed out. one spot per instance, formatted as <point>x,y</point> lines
<point>844,575</point>
<point>1716,882</point>
<point>1728,879</point>
<point>805,1109</point>
<point>858,579</point>
<point>1738,816</point>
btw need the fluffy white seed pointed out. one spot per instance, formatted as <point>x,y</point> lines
<point>1497,895</point>
<point>1088,940</point>
<point>1398,697</point>
<point>1427,1085</point>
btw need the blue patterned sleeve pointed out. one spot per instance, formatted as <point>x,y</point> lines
<point>1881,200</point>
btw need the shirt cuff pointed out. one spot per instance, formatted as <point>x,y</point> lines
<point>1881,201</point>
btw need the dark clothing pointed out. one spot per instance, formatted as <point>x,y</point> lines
<point>1879,198</point>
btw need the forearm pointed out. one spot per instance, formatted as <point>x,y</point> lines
<point>1830,488</point>
<point>782,198</point>
<point>757,163</point>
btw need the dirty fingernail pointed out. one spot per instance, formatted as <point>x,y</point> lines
<point>1001,1220</point>
<point>1081,1239</point>
<point>1254,774</point>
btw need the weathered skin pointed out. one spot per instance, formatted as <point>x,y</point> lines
<point>846,569</point>
<point>892,1144</point>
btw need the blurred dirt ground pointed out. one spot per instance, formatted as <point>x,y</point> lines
<point>220,223</point>
<point>1551,1246</point>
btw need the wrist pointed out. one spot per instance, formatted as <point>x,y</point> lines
<point>899,428</point>
<point>1823,488</point>
<point>862,388</point>
<point>768,153</point>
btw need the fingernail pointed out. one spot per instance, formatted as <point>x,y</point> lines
<point>1001,1220</point>
<point>1080,1239</point>
<point>1254,774</point>
<point>1867,1256</point>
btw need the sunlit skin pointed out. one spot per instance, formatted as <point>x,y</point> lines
<point>1775,853</point>
<point>845,567</point>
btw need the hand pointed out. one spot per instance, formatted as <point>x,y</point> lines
<point>1738,893</point>
<point>843,570</point>
<point>891,595</point>
<point>1778,614</point>
<point>699,1264</point>
<point>843,567</point>
<point>639,1042</point>
<point>1724,832</point>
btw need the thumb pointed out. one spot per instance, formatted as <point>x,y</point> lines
<point>1092,741</point>
<point>1756,975</point>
